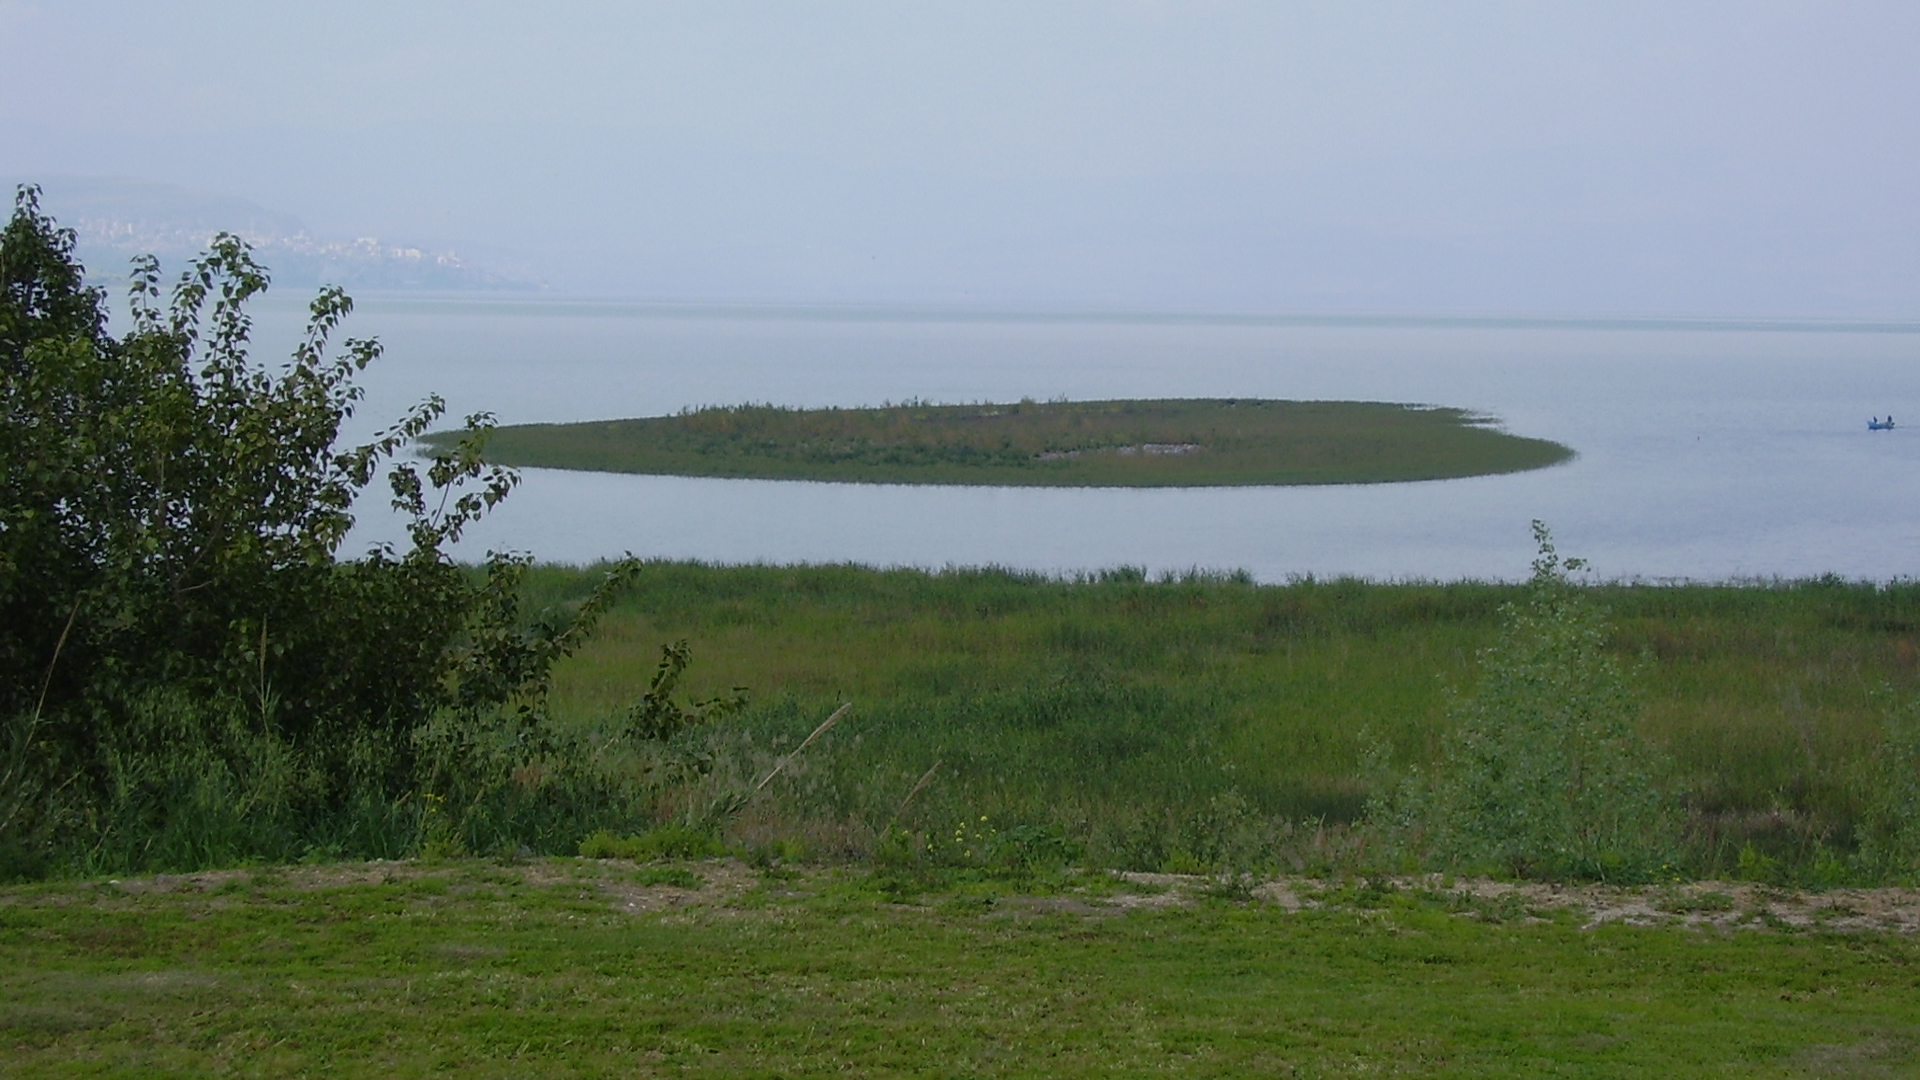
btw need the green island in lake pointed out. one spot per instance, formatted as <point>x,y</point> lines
<point>1158,443</point>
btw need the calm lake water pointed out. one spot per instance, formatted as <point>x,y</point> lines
<point>1706,451</point>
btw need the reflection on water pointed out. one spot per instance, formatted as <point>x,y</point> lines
<point>1705,451</point>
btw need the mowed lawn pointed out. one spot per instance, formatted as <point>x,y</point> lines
<point>570,967</point>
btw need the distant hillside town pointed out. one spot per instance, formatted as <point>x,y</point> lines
<point>117,219</point>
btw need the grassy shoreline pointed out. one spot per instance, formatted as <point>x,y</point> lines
<point>1144,443</point>
<point>1192,724</point>
<point>1191,721</point>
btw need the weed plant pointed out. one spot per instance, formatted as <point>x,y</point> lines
<point>1545,773</point>
<point>1890,831</point>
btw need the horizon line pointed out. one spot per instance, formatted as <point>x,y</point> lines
<point>907,311</point>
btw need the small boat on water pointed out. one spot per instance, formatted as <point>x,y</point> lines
<point>1877,424</point>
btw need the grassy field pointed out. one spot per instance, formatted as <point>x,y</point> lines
<point>1184,724</point>
<point>1171,443</point>
<point>934,887</point>
<point>577,968</point>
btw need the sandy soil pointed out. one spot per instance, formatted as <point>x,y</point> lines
<point>1722,904</point>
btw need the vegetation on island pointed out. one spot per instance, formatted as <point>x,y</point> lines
<point>1148,443</point>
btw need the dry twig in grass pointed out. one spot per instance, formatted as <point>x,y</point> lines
<point>817,732</point>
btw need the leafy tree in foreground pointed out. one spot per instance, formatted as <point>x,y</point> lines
<point>171,604</point>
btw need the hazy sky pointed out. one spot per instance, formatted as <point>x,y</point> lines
<point>1618,157</point>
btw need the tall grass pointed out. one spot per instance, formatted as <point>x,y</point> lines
<point>1138,714</point>
<point>1192,722</point>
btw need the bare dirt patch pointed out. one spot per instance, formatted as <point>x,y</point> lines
<point>1727,905</point>
<point>721,883</point>
<point>316,876</point>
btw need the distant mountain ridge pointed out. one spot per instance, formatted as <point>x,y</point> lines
<point>115,219</point>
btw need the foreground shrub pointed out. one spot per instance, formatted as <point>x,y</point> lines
<point>189,672</point>
<point>1545,775</point>
<point>1889,838</point>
